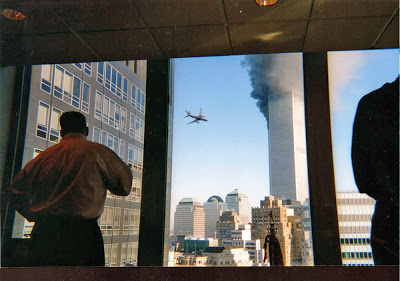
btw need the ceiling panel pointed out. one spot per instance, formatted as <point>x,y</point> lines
<point>359,8</point>
<point>122,45</point>
<point>390,39</point>
<point>269,37</point>
<point>247,11</point>
<point>101,15</point>
<point>179,12</point>
<point>45,48</point>
<point>342,34</point>
<point>191,41</point>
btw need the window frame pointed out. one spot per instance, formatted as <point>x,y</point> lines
<point>44,127</point>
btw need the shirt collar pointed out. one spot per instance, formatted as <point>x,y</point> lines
<point>70,136</point>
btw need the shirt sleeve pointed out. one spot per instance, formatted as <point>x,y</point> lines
<point>20,190</point>
<point>118,176</point>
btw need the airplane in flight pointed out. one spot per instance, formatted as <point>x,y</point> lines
<point>197,118</point>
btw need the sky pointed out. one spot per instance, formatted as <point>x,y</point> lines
<point>230,150</point>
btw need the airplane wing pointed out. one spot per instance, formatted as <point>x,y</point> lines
<point>195,120</point>
<point>200,112</point>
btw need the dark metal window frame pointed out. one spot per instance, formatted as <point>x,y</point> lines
<point>153,220</point>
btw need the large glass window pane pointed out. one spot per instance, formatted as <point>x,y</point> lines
<point>107,83</point>
<point>122,149</point>
<point>251,181</point>
<point>43,131</point>
<point>114,80</point>
<point>58,81</point>
<point>46,78</point>
<point>132,126</point>
<point>117,116</point>
<point>125,92</point>
<point>55,125</point>
<point>42,119</point>
<point>133,96</point>
<point>96,135</point>
<point>85,98</point>
<point>88,68</point>
<point>76,98</point>
<point>123,120</point>
<point>112,114</point>
<point>106,104</point>
<point>100,72</point>
<point>98,105</point>
<point>352,76</point>
<point>119,84</point>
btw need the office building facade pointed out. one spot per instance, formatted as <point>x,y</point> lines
<point>228,222</point>
<point>213,209</point>
<point>287,146</point>
<point>189,218</point>
<point>273,214</point>
<point>355,211</point>
<point>112,97</point>
<point>239,202</point>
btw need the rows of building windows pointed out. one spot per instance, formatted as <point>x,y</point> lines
<point>134,196</point>
<point>357,217</point>
<point>354,229</point>
<point>65,86</point>
<point>118,84</point>
<point>110,112</point>
<point>131,221</point>
<point>355,201</point>
<point>356,255</point>
<point>110,221</point>
<point>47,125</point>
<point>114,115</point>
<point>136,192</point>
<point>355,241</point>
<point>87,67</point>
<point>128,254</point>
<point>135,154</point>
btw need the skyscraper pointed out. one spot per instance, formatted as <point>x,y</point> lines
<point>287,146</point>
<point>355,211</point>
<point>189,218</point>
<point>213,209</point>
<point>272,212</point>
<point>112,97</point>
<point>228,222</point>
<point>238,201</point>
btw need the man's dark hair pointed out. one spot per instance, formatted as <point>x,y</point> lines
<point>73,122</point>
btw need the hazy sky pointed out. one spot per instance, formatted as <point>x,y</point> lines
<point>231,149</point>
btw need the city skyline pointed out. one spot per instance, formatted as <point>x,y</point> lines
<point>236,138</point>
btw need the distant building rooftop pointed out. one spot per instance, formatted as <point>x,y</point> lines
<point>214,250</point>
<point>215,198</point>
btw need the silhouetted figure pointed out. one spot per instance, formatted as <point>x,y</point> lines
<point>375,156</point>
<point>63,191</point>
<point>272,248</point>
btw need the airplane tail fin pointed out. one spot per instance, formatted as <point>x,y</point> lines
<point>187,113</point>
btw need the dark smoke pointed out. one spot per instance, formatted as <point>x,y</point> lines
<point>273,74</point>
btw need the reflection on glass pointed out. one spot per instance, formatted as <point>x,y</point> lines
<point>106,111</point>
<point>239,162</point>
<point>352,75</point>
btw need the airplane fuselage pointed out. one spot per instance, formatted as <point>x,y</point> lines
<point>196,118</point>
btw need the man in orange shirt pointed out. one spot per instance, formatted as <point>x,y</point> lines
<point>63,191</point>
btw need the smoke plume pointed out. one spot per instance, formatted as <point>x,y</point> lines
<point>273,74</point>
